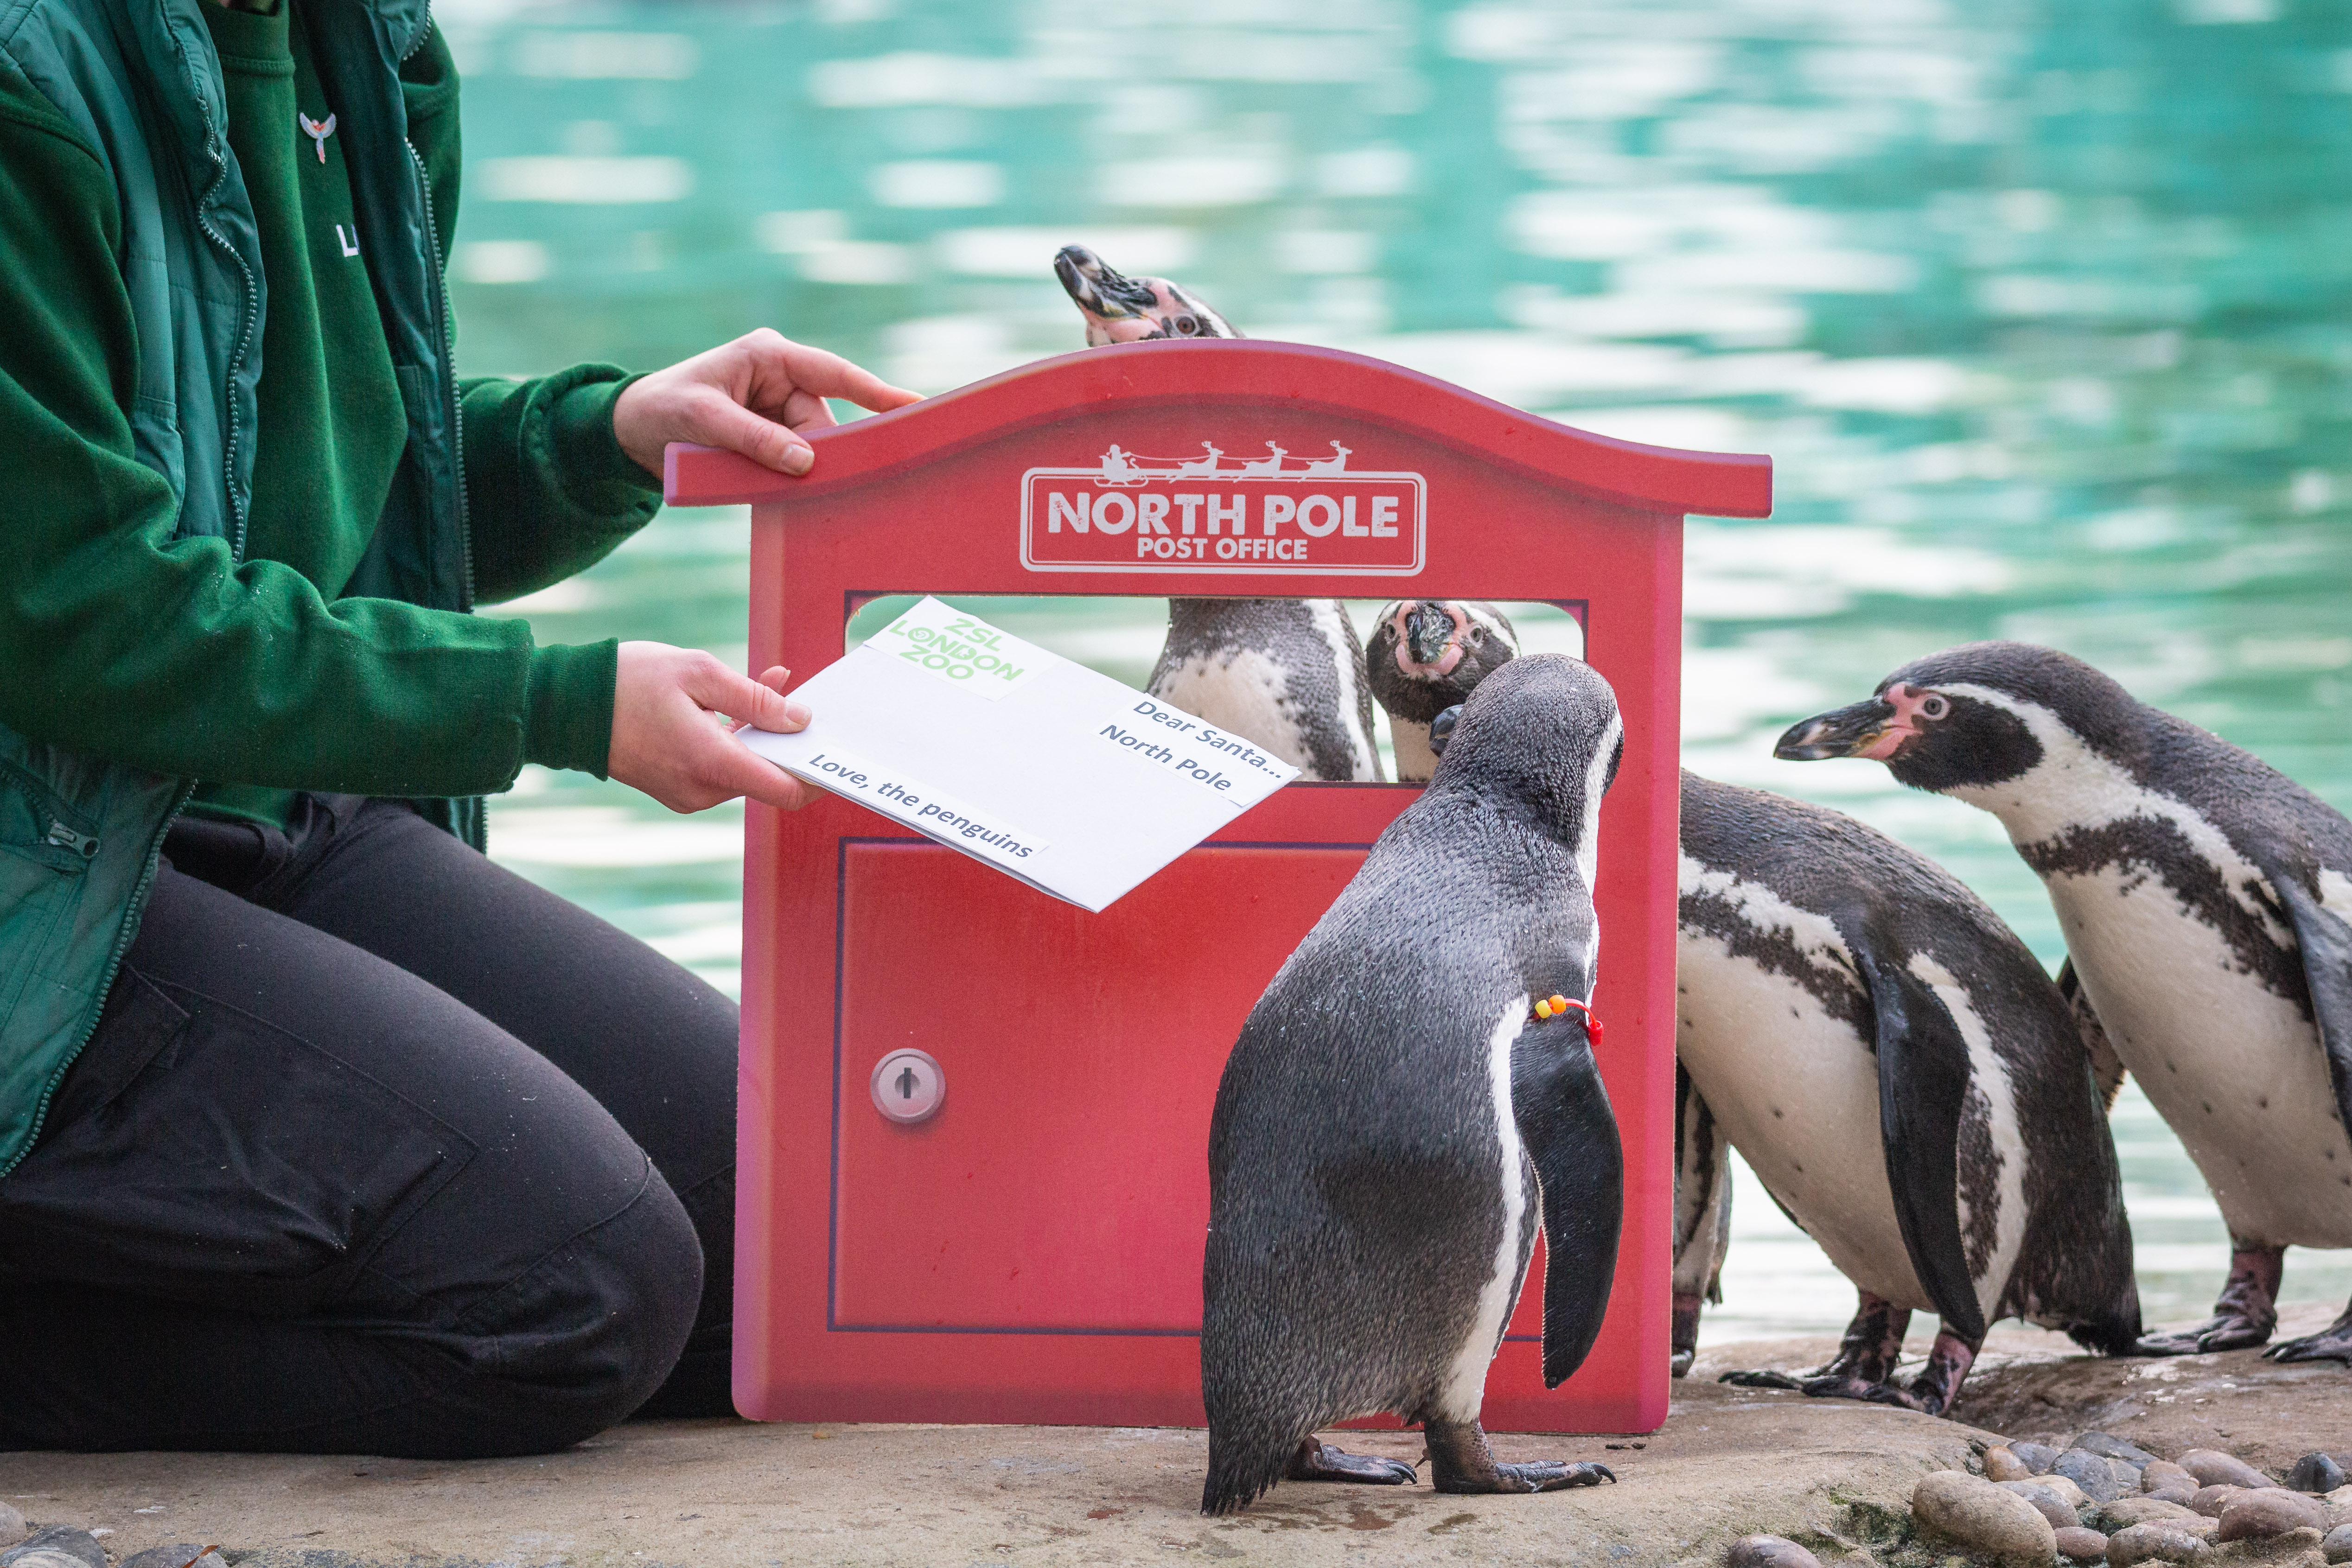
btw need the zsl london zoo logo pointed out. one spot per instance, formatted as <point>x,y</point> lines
<point>1129,512</point>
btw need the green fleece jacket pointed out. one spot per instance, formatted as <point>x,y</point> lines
<point>247,505</point>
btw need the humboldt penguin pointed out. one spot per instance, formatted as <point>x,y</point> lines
<point>1424,657</point>
<point>1286,673</point>
<point>1702,1217</point>
<point>1907,1082</point>
<point>2206,901</point>
<point>1414,1090</point>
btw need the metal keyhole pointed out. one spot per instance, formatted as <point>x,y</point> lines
<point>908,1086</point>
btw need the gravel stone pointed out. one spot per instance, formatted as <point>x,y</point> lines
<point>2127,1510</point>
<point>2211,1501</point>
<point>13,1528</point>
<point>2071,1495</point>
<point>2038,1457</point>
<point>2155,1543</point>
<point>2092,1473</point>
<point>56,1546</point>
<point>2257,1516</point>
<point>2000,1465</point>
<point>2315,1473</point>
<point>2077,1544</point>
<point>1976,1513</point>
<point>2338,1544</point>
<point>2163,1475</point>
<point>1750,1551</point>
<point>2212,1469</point>
<point>179,1554</point>
<point>2045,1501</point>
<point>2109,1447</point>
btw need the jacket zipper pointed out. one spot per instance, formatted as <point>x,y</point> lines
<point>448,370</point>
<point>214,140</point>
<point>122,939</point>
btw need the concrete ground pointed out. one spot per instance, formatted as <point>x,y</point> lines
<point>719,1494</point>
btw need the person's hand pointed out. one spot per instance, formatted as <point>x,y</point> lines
<point>753,395</point>
<point>671,737</point>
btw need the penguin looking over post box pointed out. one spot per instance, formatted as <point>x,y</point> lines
<point>1286,673</point>
<point>1413,1093</point>
<point>2205,900</point>
<point>1425,655</point>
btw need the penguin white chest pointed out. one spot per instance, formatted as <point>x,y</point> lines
<point>1796,1091</point>
<point>1245,692</point>
<point>2232,1066</point>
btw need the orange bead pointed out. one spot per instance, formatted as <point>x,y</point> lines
<point>1559,1004</point>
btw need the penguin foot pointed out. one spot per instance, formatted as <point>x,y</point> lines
<point>1535,1475</point>
<point>1319,1461</point>
<point>1460,1461</point>
<point>2245,1314</point>
<point>1766,1377</point>
<point>2331,1343</point>
<point>2228,1332</point>
<point>1679,1364</point>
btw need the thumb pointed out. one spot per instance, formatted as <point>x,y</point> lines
<point>765,442</point>
<point>759,703</point>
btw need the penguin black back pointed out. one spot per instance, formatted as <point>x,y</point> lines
<point>1386,1114</point>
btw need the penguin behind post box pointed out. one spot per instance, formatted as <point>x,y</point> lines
<point>2206,901</point>
<point>1907,1082</point>
<point>1402,1104</point>
<point>1426,656</point>
<point>1286,673</point>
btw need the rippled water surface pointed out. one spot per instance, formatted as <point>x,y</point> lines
<point>2043,310</point>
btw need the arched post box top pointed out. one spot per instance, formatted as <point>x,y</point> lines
<point>1235,375</point>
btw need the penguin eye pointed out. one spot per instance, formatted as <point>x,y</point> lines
<point>1934,706</point>
<point>1187,326</point>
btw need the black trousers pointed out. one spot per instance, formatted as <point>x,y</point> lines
<point>377,1148</point>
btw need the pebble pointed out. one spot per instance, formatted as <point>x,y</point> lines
<point>2185,1496</point>
<point>13,1528</point>
<point>179,1554</point>
<point>2038,1457</point>
<point>1747,1552</point>
<point>2079,1545</point>
<point>2315,1473</point>
<point>2338,1544</point>
<point>2153,1542</point>
<point>1977,1514</point>
<point>2108,1447</point>
<point>2213,1469</point>
<point>2164,1474</point>
<point>2068,1493</point>
<point>2211,1501</point>
<point>56,1546</point>
<point>2257,1516</point>
<point>2000,1465</point>
<point>2127,1510</point>
<point>2046,1502</point>
<point>2090,1472</point>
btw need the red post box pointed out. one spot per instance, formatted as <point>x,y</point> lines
<point>1030,1252</point>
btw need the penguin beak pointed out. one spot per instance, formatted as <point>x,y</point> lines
<point>1094,288</point>
<point>1428,636</point>
<point>1852,731</point>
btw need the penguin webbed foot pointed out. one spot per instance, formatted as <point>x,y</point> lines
<point>1679,1364</point>
<point>2229,1332</point>
<point>1768,1377</point>
<point>1460,1462</point>
<point>2244,1315</point>
<point>1316,1461</point>
<point>2331,1343</point>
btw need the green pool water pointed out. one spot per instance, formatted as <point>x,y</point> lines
<point>2044,311</point>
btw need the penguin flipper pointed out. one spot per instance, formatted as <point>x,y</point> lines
<point>2326,938</point>
<point>1923,1081</point>
<point>2106,1066</point>
<point>1571,1136</point>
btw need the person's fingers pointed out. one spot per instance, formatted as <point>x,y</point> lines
<point>774,678</point>
<point>805,410</point>
<point>732,769</point>
<point>829,375</point>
